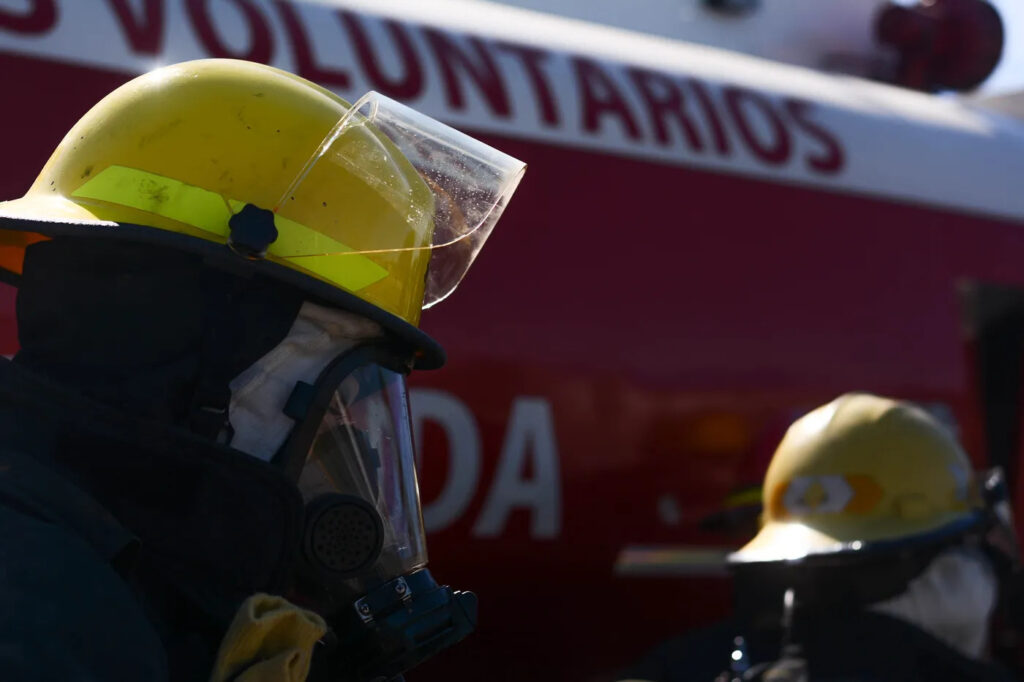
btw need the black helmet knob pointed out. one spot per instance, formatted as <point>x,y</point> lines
<point>252,232</point>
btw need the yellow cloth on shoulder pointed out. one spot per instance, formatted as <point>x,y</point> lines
<point>270,640</point>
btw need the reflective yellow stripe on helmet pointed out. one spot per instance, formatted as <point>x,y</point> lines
<point>210,212</point>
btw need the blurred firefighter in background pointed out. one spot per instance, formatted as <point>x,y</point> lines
<point>879,558</point>
<point>221,271</point>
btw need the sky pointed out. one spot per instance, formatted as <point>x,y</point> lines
<point>1010,73</point>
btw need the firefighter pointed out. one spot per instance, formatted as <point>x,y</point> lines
<point>877,559</point>
<point>206,465</point>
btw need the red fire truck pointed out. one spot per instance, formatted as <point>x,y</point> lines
<point>706,245</point>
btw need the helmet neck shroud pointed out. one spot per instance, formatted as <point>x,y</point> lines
<point>154,332</point>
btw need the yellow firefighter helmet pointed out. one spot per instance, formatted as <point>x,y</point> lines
<point>371,207</point>
<point>859,474</point>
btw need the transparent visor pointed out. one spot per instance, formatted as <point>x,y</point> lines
<point>417,197</point>
<point>363,448</point>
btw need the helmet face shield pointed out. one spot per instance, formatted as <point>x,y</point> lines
<point>413,197</point>
<point>359,479</point>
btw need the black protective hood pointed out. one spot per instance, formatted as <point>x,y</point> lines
<point>153,331</point>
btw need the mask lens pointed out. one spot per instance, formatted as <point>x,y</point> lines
<point>363,449</point>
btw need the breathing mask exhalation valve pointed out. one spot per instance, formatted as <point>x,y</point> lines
<point>394,628</point>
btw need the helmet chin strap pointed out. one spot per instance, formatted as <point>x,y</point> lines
<point>260,393</point>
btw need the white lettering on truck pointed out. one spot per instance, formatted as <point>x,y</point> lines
<point>527,476</point>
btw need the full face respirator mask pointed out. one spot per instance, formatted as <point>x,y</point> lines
<point>363,556</point>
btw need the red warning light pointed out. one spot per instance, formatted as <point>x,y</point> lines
<point>942,44</point>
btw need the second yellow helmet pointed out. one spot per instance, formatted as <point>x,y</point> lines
<point>860,473</point>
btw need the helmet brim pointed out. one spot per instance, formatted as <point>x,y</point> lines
<point>796,542</point>
<point>21,224</point>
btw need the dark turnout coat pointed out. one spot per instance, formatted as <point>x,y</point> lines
<point>859,646</point>
<point>125,550</point>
